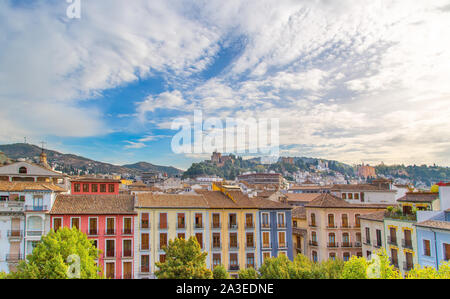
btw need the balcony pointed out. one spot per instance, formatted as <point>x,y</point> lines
<point>127,231</point>
<point>345,226</point>
<point>145,269</point>
<point>407,244</point>
<point>234,246</point>
<point>392,241</point>
<point>34,233</point>
<point>249,225</point>
<point>333,245</point>
<point>110,254</point>
<point>281,225</point>
<point>282,246</point>
<point>12,234</point>
<point>407,266</point>
<point>31,208</point>
<point>216,246</point>
<point>313,243</point>
<point>216,225</point>
<point>266,246</point>
<point>110,232</point>
<point>331,226</point>
<point>162,246</point>
<point>346,245</point>
<point>265,225</point>
<point>234,267</point>
<point>358,244</point>
<point>233,226</point>
<point>367,242</point>
<point>198,225</point>
<point>250,266</point>
<point>14,258</point>
<point>312,225</point>
<point>93,232</point>
<point>395,264</point>
<point>162,225</point>
<point>127,253</point>
<point>181,226</point>
<point>250,246</point>
<point>145,225</point>
<point>377,245</point>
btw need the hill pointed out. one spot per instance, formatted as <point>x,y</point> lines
<point>73,164</point>
<point>148,167</point>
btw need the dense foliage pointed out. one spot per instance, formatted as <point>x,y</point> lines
<point>64,254</point>
<point>184,260</point>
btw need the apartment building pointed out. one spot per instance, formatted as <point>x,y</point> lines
<point>108,221</point>
<point>372,231</point>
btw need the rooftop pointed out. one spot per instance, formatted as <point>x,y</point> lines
<point>25,186</point>
<point>326,200</point>
<point>419,197</point>
<point>93,204</point>
<point>377,216</point>
<point>435,224</point>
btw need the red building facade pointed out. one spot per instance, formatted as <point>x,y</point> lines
<point>107,220</point>
<point>94,186</point>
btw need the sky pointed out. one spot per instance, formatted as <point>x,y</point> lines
<point>350,80</point>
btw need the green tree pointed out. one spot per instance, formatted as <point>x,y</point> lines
<point>249,273</point>
<point>184,260</point>
<point>220,272</point>
<point>331,269</point>
<point>355,268</point>
<point>277,268</point>
<point>57,254</point>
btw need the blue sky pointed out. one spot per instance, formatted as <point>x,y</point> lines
<point>348,80</point>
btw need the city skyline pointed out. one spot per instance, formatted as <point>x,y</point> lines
<point>355,81</point>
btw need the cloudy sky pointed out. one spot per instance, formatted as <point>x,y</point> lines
<point>351,80</point>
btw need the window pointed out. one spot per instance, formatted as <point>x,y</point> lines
<point>409,261</point>
<point>359,254</point>
<point>314,256</point>
<point>93,226</point>
<point>76,187</point>
<point>350,196</point>
<point>314,236</point>
<point>162,240</point>
<point>127,226</point>
<point>393,235</point>
<point>111,188</point>
<point>234,265</point>
<point>127,270</point>
<point>362,196</point>
<point>281,239</point>
<point>198,220</point>
<point>426,248</point>
<point>216,220</point>
<point>266,239</point>
<point>145,220</point>
<point>313,219</point>
<point>357,220</point>
<point>163,220</point>
<point>85,187</point>
<point>127,248</point>
<point>103,188</point>
<point>38,202</point>
<point>250,260</point>
<point>180,220</point>
<point>249,239</point>
<point>110,248</point>
<point>280,220</point>
<point>217,260</point>
<point>332,256</point>
<point>344,195</point>
<point>75,222</point>
<point>344,220</point>
<point>233,240</point>
<point>266,255</point>
<point>407,243</point>
<point>331,240</point>
<point>162,258</point>
<point>265,219</point>
<point>358,238</point>
<point>394,257</point>
<point>181,236</point>
<point>23,170</point>
<point>199,237</point>
<point>110,226</point>
<point>110,270</point>
<point>249,220</point>
<point>294,223</point>
<point>331,220</point>
<point>95,243</point>
<point>379,242</point>
<point>94,188</point>
<point>232,220</point>
<point>367,235</point>
<point>447,251</point>
<point>57,223</point>
<point>145,241</point>
<point>216,240</point>
<point>145,263</point>
<point>346,256</point>
<point>345,240</point>
<point>356,196</point>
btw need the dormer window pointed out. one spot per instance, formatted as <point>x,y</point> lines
<point>23,170</point>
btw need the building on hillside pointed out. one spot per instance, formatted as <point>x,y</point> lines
<point>334,229</point>
<point>219,160</point>
<point>24,210</point>
<point>309,189</point>
<point>32,172</point>
<point>366,171</point>
<point>262,178</point>
<point>99,186</point>
<point>365,193</point>
<point>372,230</point>
<point>287,160</point>
<point>108,221</point>
<point>299,230</point>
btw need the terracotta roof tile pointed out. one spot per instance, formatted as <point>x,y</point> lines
<point>330,201</point>
<point>22,186</point>
<point>299,212</point>
<point>302,197</point>
<point>93,204</point>
<point>419,197</point>
<point>377,216</point>
<point>150,200</point>
<point>435,224</point>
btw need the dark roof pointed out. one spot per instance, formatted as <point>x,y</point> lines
<point>93,204</point>
<point>302,197</point>
<point>434,224</point>
<point>94,180</point>
<point>419,197</point>
<point>360,187</point>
